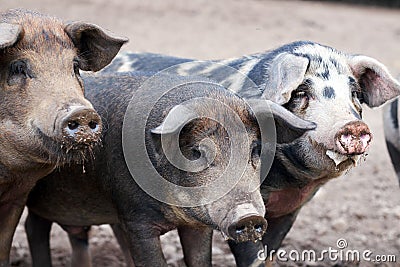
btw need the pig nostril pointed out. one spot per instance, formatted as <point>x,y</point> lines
<point>258,228</point>
<point>92,125</point>
<point>73,125</point>
<point>240,229</point>
<point>365,137</point>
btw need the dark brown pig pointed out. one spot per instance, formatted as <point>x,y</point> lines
<point>206,122</point>
<point>45,121</point>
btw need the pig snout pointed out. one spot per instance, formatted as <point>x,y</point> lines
<point>81,125</point>
<point>353,138</point>
<point>244,223</point>
<point>249,228</point>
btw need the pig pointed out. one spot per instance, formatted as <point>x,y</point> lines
<point>315,82</point>
<point>107,193</point>
<point>392,134</point>
<point>45,120</point>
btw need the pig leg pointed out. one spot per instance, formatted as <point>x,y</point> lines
<point>277,230</point>
<point>79,239</point>
<point>196,245</point>
<point>123,243</point>
<point>246,253</point>
<point>38,233</point>
<point>10,214</point>
<point>145,250</point>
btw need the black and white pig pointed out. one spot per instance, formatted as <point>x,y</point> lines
<point>317,83</point>
<point>106,192</point>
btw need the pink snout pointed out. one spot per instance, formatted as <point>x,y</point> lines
<point>353,138</point>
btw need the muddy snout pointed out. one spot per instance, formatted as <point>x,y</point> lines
<point>244,223</point>
<point>81,126</point>
<point>353,138</point>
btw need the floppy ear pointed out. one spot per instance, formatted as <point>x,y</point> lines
<point>288,126</point>
<point>176,119</point>
<point>377,84</point>
<point>284,74</point>
<point>9,34</point>
<point>95,45</point>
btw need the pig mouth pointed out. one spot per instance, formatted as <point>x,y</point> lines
<point>338,158</point>
<point>60,152</point>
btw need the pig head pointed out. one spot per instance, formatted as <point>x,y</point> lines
<point>328,87</point>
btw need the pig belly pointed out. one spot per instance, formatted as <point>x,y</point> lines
<point>78,215</point>
<point>287,200</point>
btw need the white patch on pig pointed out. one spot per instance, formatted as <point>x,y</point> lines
<point>238,78</point>
<point>215,66</point>
<point>127,63</point>
<point>184,69</point>
<point>339,158</point>
<point>336,157</point>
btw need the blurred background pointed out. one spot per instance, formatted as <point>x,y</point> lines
<point>362,206</point>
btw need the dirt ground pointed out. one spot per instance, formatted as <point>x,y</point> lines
<point>362,206</point>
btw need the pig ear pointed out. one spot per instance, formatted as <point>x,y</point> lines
<point>284,75</point>
<point>377,85</point>
<point>178,117</point>
<point>288,126</point>
<point>9,34</point>
<point>95,45</point>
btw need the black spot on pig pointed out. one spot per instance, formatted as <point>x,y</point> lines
<point>329,92</point>
<point>309,82</point>
<point>335,63</point>
<point>325,74</point>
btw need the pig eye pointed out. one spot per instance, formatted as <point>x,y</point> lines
<point>19,69</point>
<point>299,99</point>
<point>76,66</point>
<point>76,72</point>
<point>255,153</point>
<point>196,153</point>
<point>357,94</point>
<point>357,100</point>
<point>300,95</point>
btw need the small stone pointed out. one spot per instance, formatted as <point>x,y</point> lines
<point>340,224</point>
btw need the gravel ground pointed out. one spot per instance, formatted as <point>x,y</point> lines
<point>363,206</point>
